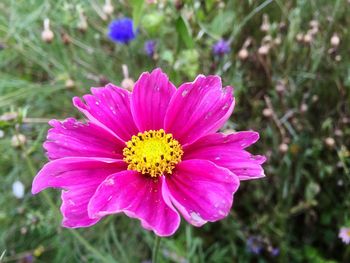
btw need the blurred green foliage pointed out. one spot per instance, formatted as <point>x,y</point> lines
<point>292,83</point>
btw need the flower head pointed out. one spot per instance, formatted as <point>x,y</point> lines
<point>221,48</point>
<point>122,30</point>
<point>344,235</point>
<point>150,47</point>
<point>152,161</point>
<point>254,245</point>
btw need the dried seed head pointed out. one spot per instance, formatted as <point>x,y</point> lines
<point>179,4</point>
<point>243,54</point>
<point>282,26</point>
<point>277,41</point>
<point>267,112</point>
<point>266,39</point>
<point>265,26</point>
<point>264,50</point>
<point>47,35</point>
<point>307,38</point>
<point>314,24</point>
<point>313,31</point>
<point>303,108</point>
<point>335,40</point>
<point>283,148</point>
<point>108,8</point>
<point>69,83</point>
<point>66,38</point>
<point>18,140</point>
<point>103,80</point>
<point>338,133</point>
<point>229,131</point>
<point>24,230</point>
<point>128,84</point>
<point>299,37</point>
<point>82,24</point>
<point>330,142</point>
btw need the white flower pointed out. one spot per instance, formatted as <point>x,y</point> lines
<point>18,189</point>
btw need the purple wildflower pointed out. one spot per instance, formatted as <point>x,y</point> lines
<point>254,245</point>
<point>275,252</point>
<point>221,48</point>
<point>150,47</point>
<point>344,235</point>
<point>122,30</point>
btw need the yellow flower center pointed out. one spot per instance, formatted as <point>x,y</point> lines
<point>152,152</point>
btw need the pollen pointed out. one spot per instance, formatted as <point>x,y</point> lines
<point>153,153</point>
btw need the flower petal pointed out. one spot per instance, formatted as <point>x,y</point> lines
<point>71,171</point>
<point>150,100</point>
<point>73,138</point>
<point>227,151</point>
<point>202,191</point>
<point>198,108</point>
<point>109,108</point>
<point>81,177</point>
<point>139,197</point>
<point>74,205</point>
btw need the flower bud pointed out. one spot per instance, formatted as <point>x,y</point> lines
<point>82,24</point>
<point>314,24</point>
<point>299,37</point>
<point>307,39</point>
<point>283,148</point>
<point>108,8</point>
<point>265,26</point>
<point>264,50</point>
<point>128,84</point>
<point>330,142</point>
<point>267,112</point>
<point>335,40</point>
<point>303,108</point>
<point>18,140</point>
<point>243,54</point>
<point>47,35</point>
<point>69,83</point>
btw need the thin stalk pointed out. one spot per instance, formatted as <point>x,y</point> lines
<point>155,251</point>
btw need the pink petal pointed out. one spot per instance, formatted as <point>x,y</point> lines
<point>227,151</point>
<point>71,171</point>
<point>150,100</point>
<point>81,177</point>
<point>139,197</point>
<point>202,191</point>
<point>198,108</point>
<point>73,138</point>
<point>109,108</point>
<point>74,205</point>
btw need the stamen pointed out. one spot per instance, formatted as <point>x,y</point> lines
<point>153,153</point>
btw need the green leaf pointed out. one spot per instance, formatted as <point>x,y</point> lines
<point>184,31</point>
<point>137,7</point>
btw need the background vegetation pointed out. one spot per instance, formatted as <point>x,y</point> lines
<point>289,63</point>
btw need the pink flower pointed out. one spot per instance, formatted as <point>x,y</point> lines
<point>152,154</point>
<point>344,235</point>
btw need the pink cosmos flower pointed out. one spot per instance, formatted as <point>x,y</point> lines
<point>344,235</point>
<point>152,154</point>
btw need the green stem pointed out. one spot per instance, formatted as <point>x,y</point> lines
<point>155,251</point>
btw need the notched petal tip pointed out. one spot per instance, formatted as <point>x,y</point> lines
<point>77,102</point>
